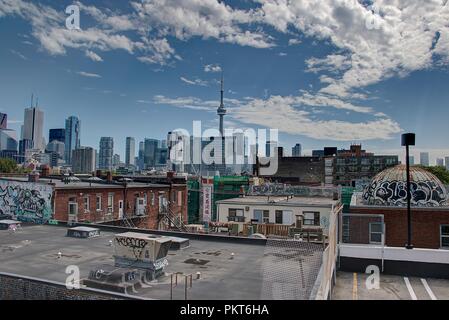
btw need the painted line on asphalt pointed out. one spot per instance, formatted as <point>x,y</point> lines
<point>429,291</point>
<point>410,289</point>
<point>354,287</point>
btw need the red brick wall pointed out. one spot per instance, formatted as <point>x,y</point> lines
<point>426,224</point>
<point>62,197</point>
<point>150,221</point>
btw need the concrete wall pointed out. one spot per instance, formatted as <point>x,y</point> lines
<point>26,201</point>
<point>399,261</point>
<point>14,287</point>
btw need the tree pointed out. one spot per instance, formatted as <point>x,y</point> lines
<point>440,172</point>
<point>7,165</point>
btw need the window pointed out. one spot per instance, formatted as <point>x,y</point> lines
<point>110,202</point>
<point>86,203</point>
<point>375,232</point>
<point>445,236</point>
<point>98,202</point>
<point>73,206</point>
<point>153,199</point>
<point>266,216</point>
<point>278,217</point>
<point>311,218</point>
<point>236,215</point>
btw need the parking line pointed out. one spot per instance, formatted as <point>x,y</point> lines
<point>429,291</point>
<point>410,289</point>
<point>354,287</point>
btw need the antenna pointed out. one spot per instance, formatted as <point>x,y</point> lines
<point>32,99</point>
<point>37,101</point>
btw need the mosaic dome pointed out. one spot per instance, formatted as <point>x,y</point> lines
<point>389,188</point>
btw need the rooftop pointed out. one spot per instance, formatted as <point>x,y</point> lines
<point>230,269</point>
<point>59,184</point>
<point>282,201</point>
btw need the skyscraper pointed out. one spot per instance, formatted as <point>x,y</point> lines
<point>440,162</point>
<point>56,134</point>
<point>3,120</point>
<point>8,140</point>
<point>141,156</point>
<point>424,159</point>
<point>106,153</point>
<point>130,151</point>
<point>33,126</point>
<point>72,137</point>
<point>83,160</point>
<point>446,160</point>
<point>151,146</point>
<point>297,150</point>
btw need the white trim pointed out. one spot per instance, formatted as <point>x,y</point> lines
<point>394,253</point>
<point>429,291</point>
<point>410,289</point>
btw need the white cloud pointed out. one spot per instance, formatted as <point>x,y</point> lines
<point>20,55</point>
<point>212,68</point>
<point>89,75</point>
<point>282,54</point>
<point>293,42</point>
<point>196,82</point>
<point>93,56</point>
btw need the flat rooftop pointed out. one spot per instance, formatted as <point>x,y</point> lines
<point>282,201</point>
<point>60,184</point>
<point>229,269</point>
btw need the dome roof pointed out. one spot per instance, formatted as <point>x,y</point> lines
<point>389,188</point>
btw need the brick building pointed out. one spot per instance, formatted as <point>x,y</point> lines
<point>381,208</point>
<point>142,205</point>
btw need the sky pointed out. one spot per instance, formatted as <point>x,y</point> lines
<point>324,73</point>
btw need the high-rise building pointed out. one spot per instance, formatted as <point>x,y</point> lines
<point>83,160</point>
<point>8,140</point>
<point>3,120</point>
<point>141,156</point>
<point>151,146</point>
<point>57,147</point>
<point>33,126</point>
<point>116,160</point>
<point>106,153</point>
<point>424,159</point>
<point>72,137</point>
<point>270,148</point>
<point>440,162</point>
<point>130,151</point>
<point>446,160</point>
<point>56,134</point>
<point>297,150</point>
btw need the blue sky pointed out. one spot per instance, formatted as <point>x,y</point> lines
<point>325,73</point>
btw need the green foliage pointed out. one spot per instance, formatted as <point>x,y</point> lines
<point>7,165</point>
<point>440,172</point>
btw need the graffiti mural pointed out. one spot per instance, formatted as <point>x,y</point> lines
<point>26,201</point>
<point>394,193</point>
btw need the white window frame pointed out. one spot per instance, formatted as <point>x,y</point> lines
<point>371,232</point>
<point>111,203</point>
<point>313,219</point>
<point>86,203</point>
<point>443,235</point>
<point>99,199</point>
<point>72,203</point>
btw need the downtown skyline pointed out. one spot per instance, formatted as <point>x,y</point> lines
<point>285,76</point>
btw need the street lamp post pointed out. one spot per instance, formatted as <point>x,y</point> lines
<point>408,139</point>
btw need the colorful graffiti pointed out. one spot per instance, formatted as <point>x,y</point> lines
<point>26,201</point>
<point>394,193</point>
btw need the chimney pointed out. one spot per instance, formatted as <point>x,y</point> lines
<point>109,177</point>
<point>45,171</point>
<point>33,177</point>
